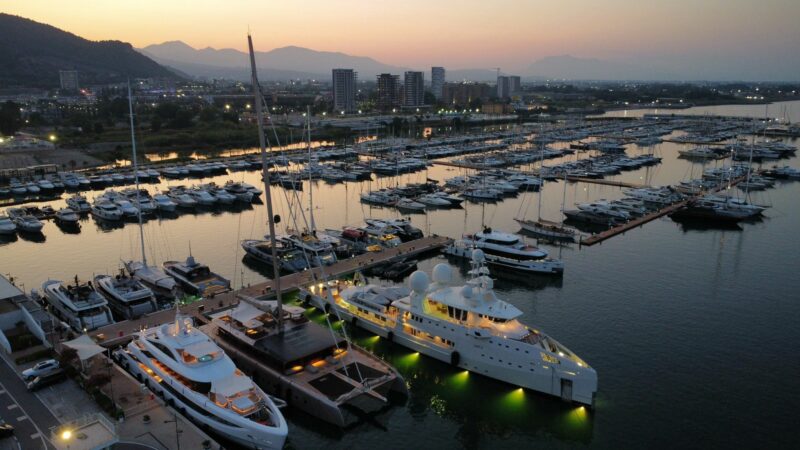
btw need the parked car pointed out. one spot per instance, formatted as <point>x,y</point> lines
<point>41,368</point>
<point>46,380</point>
<point>6,430</point>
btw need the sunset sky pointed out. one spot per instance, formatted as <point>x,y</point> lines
<point>457,34</point>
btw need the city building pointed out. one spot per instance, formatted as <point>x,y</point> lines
<point>507,86</point>
<point>344,90</point>
<point>464,94</point>
<point>69,80</point>
<point>388,91</point>
<point>414,89</point>
<point>437,81</point>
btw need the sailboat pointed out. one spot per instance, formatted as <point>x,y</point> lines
<point>318,371</point>
<point>152,276</point>
<point>546,228</point>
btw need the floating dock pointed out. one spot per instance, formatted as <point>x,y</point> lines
<point>118,333</point>
<point>606,182</point>
<point>619,229</point>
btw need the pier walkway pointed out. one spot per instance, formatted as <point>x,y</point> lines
<point>619,229</point>
<point>117,333</point>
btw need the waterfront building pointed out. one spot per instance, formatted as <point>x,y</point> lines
<point>507,86</point>
<point>388,91</point>
<point>414,89</point>
<point>437,81</point>
<point>462,94</point>
<point>344,90</point>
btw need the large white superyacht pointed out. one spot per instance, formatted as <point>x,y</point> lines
<point>181,363</point>
<point>466,326</point>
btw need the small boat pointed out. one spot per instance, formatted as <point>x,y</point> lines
<point>106,210</point>
<point>409,205</point>
<point>196,278</point>
<point>433,200</point>
<point>164,203</point>
<point>7,225</point>
<point>79,204</point>
<point>24,221</point>
<point>242,194</point>
<point>66,216</point>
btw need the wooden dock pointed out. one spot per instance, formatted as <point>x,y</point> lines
<point>117,333</point>
<point>605,182</point>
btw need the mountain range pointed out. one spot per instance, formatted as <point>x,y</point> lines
<point>32,53</point>
<point>280,63</point>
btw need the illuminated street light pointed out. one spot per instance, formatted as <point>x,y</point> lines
<point>52,137</point>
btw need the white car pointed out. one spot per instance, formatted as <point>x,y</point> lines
<point>41,368</point>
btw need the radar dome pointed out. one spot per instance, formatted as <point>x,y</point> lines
<point>477,255</point>
<point>466,291</point>
<point>418,281</point>
<point>442,273</point>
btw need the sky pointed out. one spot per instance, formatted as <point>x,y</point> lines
<point>743,36</point>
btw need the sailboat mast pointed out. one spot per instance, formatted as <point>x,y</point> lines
<point>265,174</point>
<point>310,184</point>
<point>541,182</point>
<point>136,176</point>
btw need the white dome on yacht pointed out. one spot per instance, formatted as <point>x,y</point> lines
<point>418,281</point>
<point>442,273</point>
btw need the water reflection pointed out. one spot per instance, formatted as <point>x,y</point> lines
<point>483,408</point>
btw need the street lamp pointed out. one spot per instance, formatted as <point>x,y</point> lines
<point>66,435</point>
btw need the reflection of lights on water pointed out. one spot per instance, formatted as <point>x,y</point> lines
<point>460,379</point>
<point>408,360</point>
<point>578,416</point>
<point>438,405</point>
<point>514,399</point>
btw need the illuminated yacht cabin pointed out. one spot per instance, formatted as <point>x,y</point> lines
<point>195,375</point>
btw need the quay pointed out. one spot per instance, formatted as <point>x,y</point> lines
<point>459,165</point>
<point>619,229</point>
<point>118,333</point>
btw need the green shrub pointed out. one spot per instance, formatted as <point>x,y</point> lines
<point>41,354</point>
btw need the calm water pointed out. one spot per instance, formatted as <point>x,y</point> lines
<point>780,110</point>
<point>692,332</point>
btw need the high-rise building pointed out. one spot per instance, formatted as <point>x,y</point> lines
<point>464,94</point>
<point>507,86</point>
<point>69,79</point>
<point>437,81</point>
<point>388,91</point>
<point>344,90</point>
<point>414,89</point>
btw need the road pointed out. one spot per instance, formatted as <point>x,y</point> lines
<point>24,411</point>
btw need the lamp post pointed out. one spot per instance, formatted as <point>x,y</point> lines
<point>66,435</point>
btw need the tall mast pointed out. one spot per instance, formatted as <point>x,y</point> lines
<point>265,174</point>
<point>310,184</point>
<point>541,182</point>
<point>136,176</point>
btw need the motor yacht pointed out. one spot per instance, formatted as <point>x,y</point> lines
<point>164,203</point>
<point>127,296</point>
<point>241,193</point>
<point>196,376</point>
<point>79,305</point>
<point>24,221</point>
<point>289,258</point>
<point>496,243</point>
<point>79,204</point>
<point>66,216</point>
<point>433,200</point>
<point>466,326</point>
<point>318,252</point>
<point>196,278</point>
<point>547,229</point>
<point>102,208</point>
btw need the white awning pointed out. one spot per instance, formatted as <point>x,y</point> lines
<point>85,347</point>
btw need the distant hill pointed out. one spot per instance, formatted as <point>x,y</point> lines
<point>32,53</point>
<point>279,63</point>
<point>574,68</point>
